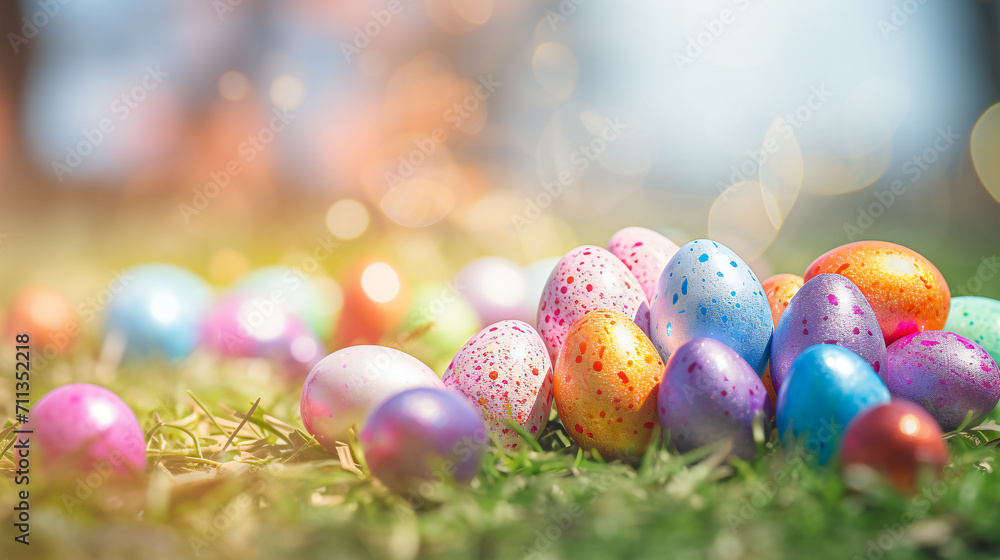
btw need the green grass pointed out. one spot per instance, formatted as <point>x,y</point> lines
<point>273,493</point>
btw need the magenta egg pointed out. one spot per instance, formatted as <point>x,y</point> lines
<point>85,427</point>
<point>645,253</point>
<point>423,436</point>
<point>586,279</point>
<point>947,374</point>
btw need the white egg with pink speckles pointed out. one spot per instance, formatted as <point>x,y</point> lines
<point>586,279</point>
<point>645,253</point>
<point>505,371</point>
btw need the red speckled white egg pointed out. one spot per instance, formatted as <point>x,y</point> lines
<point>645,253</point>
<point>505,371</point>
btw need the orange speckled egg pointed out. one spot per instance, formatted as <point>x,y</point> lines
<point>779,290</point>
<point>905,290</point>
<point>606,378</point>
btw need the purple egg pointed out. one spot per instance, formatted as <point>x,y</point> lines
<point>828,309</point>
<point>710,393</point>
<point>945,373</point>
<point>85,428</point>
<point>422,436</point>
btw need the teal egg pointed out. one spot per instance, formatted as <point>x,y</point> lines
<point>294,292</point>
<point>978,319</point>
<point>825,388</point>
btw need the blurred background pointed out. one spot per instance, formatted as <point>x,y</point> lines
<point>386,144</point>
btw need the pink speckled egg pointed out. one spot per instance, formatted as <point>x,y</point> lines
<point>346,386</point>
<point>945,373</point>
<point>505,371</point>
<point>586,279</point>
<point>645,253</point>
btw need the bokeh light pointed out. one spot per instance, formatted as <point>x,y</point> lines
<point>380,282</point>
<point>347,219</point>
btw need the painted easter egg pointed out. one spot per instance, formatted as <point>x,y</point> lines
<point>376,299</point>
<point>295,292</point>
<point>605,385</point>
<point>585,279</point>
<point>438,323</point>
<point>709,393</point>
<point>896,440</point>
<point>505,372</point>
<point>645,253</point>
<point>905,290</point>
<point>423,435</point>
<point>496,288</point>
<point>84,427</point>
<point>779,290</point>
<point>344,388</point>
<point>978,319</point>
<point>47,317</point>
<point>829,309</point>
<point>707,291</point>
<point>826,387</point>
<point>157,311</point>
<point>945,373</point>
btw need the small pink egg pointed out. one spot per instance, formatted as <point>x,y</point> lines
<point>645,253</point>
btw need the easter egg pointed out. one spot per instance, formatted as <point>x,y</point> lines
<point>376,300</point>
<point>645,253</point>
<point>945,373</point>
<point>296,293</point>
<point>47,317</point>
<point>496,288</point>
<point>438,323</point>
<point>605,384</point>
<point>905,290</point>
<point>707,290</point>
<point>896,440</point>
<point>158,311</point>
<point>779,290</point>
<point>83,427</point>
<point>978,319</point>
<point>422,436</point>
<point>505,371</point>
<point>709,393</point>
<point>347,385</point>
<point>828,309</point>
<point>826,387</point>
<point>536,276</point>
<point>585,279</point>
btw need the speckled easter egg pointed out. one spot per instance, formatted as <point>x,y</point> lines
<point>905,290</point>
<point>709,393</point>
<point>344,387</point>
<point>645,253</point>
<point>829,309</point>
<point>945,373</point>
<point>708,291</point>
<point>423,435</point>
<point>826,387</point>
<point>505,371</point>
<point>779,290</point>
<point>896,440</point>
<point>605,384</point>
<point>585,279</point>
<point>978,319</point>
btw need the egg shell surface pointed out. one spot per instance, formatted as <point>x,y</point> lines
<point>645,253</point>
<point>978,319</point>
<point>779,290</point>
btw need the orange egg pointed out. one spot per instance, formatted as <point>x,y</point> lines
<point>375,302</point>
<point>905,290</point>
<point>779,290</point>
<point>47,317</point>
<point>606,378</point>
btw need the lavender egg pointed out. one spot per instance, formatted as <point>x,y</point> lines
<point>710,393</point>
<point>346,386</point>
<point>496,289</point>
<point>645,253</point>
<point>945,373</point>
<point>828,309</point>
<point>708,291</point>
<point>422,436</point>
<point>584,280</point>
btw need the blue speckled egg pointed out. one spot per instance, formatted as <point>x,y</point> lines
<point>824,389</point>
<point>828,309</point>
<point>978,319</point>
<point>709,393</point>
<point>708,291</point>
<point>158,311</point>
